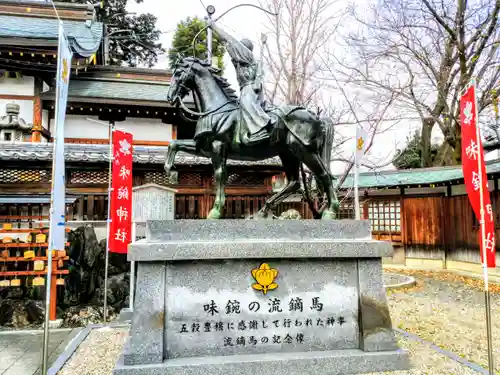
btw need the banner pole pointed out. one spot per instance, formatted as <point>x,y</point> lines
<point>111,130</point>
<point>482,245</point>
<point>48,286</point>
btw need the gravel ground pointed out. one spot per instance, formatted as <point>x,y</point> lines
<point>442,308</point>
<point>98,354</point>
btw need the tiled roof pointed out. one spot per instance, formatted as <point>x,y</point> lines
<point>100,153</point>
<point>116,89</point>
<point>84,36</point>
<point>415,177</point>
<point>156,155</point>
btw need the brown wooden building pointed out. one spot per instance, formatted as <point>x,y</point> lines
<point>427,215</point>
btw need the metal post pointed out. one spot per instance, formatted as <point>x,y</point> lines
<point>45,356</point>
<point>111,129</point>
<point>132,270</point>
<point>491,368</point>
<point>209,44</point>
<point>210,11</point>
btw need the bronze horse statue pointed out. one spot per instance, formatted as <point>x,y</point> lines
<point>297,136</point>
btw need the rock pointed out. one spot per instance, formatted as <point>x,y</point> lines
<point>118,291</point>
<point>35,311</point>
<point>19,313</point>
<point>82,316</point>
<point>290,214</point>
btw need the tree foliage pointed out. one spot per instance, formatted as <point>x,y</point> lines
<point>182,42</point>
<point>133,39</point>
<point>410,156</point>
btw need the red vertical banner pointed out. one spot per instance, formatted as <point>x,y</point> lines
<point>121,193</point>
<point>474,169</point>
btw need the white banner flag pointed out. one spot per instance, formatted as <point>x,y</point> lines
<point>361,143</point>
<point>58,199</point>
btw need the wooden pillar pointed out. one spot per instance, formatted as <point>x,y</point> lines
<point>36,135</point>
<point>366,215</point>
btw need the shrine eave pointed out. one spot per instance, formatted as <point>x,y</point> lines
<point>116,91</point>
<point>98,153</point>
<point>84,36</point>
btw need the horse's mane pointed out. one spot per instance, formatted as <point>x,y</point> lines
<point>221,81</point>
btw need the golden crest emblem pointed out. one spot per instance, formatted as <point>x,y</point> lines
<point>360,143</point>
<point>65,71</point>
<point>264,277</point>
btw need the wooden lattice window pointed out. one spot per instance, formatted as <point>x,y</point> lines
<point>247,179</point>
<point>159,178</point>
<point>385,216</point>
<point>89,177</point>
<point>25,176</point>
<point>346,209</point>
<point>191,179</point>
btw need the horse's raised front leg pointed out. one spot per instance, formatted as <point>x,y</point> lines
<point>219,162</point>
<point>188,146</point>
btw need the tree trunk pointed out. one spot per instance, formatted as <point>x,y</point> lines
<point>457,150</point>
<point>425,143</point>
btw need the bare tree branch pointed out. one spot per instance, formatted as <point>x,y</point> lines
<point>425,52</point>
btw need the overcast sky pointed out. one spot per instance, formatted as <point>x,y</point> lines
<point>249,22</point>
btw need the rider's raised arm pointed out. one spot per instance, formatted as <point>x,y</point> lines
<point>235,48</point>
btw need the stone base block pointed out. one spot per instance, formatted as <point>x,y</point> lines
<point>126,315</point>
<point>344,362</point>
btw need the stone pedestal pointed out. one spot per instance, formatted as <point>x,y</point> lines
<point>291,297</point>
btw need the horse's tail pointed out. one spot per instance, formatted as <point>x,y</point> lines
<point>326,147</point>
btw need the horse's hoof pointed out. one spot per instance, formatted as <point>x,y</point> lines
<point>328,215</point>
<point>214,214</point>
<point>261,215</point>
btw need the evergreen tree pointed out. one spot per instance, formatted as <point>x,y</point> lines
<point>411,156</point>
<point>182,42</point>
<point>136,43</point>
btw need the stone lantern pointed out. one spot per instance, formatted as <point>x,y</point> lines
<point>12,127</point>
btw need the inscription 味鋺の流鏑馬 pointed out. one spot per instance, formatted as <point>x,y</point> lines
<point>274,306</point>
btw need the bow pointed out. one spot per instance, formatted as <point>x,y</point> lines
<point>223,14</point>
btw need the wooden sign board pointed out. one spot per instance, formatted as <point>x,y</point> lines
<point>153,202</point>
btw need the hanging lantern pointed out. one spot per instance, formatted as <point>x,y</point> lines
<point>15,282</point>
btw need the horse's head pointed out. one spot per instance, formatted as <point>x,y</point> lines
<point>183,78</point>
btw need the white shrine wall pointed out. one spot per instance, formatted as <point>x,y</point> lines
<point>17,86</point>
<point>143,129</point>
